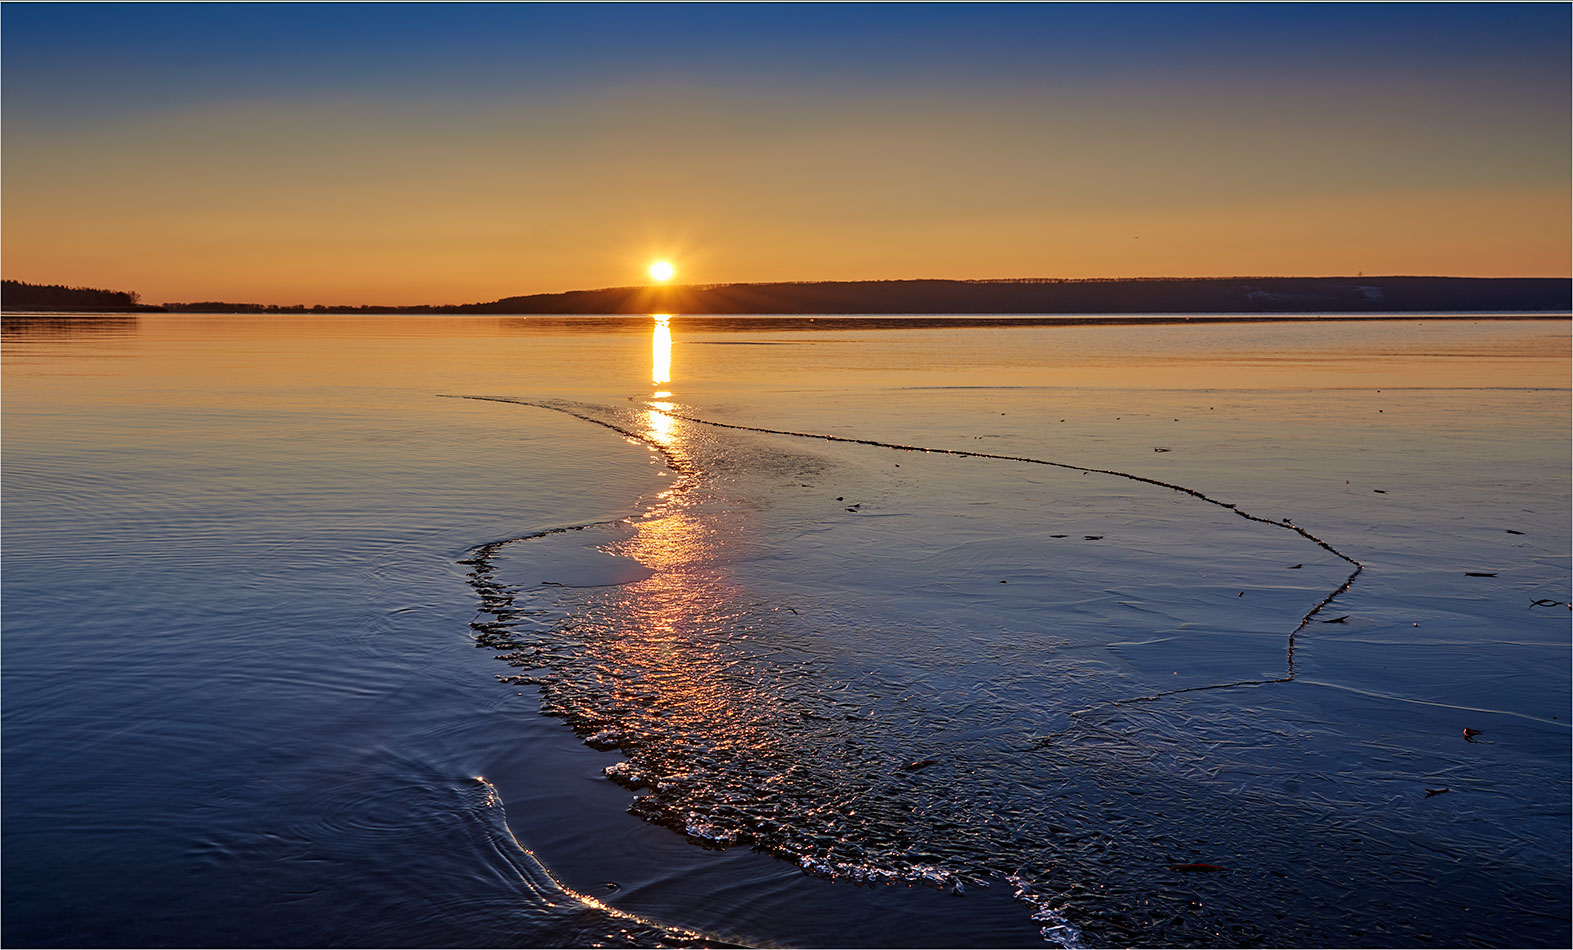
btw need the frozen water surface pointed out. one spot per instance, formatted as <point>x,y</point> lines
<point>1171,637</point>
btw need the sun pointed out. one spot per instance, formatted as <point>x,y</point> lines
<point>662,271</point>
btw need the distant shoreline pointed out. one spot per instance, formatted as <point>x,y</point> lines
<point>1037,297</point>
<point>1209,295</point>
<point>892,321</point>
<point>84,311</point>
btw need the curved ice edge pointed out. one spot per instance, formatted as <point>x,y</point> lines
<point>547,880</point>
<point>1056,929</point>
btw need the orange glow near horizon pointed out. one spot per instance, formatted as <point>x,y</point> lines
<point>209,201</point>
<point>135,246</point>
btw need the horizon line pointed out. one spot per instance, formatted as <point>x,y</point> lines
<point>654,288</point>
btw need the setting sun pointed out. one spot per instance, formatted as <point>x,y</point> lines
<point>662,270</point>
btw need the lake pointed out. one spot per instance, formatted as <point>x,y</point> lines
<point>785,631</point>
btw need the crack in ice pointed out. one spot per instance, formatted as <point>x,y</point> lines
<point>680,466</point>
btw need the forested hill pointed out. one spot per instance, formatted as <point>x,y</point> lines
<point>57,298</point>
<point>1135,295</point>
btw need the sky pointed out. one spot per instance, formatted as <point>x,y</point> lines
<point>450,153</point>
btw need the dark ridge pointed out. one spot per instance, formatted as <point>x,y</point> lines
<point>1048,296</point>
<point>1031,295</point>
<point>16,295</point>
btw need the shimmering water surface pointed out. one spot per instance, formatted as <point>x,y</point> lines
<point>1157,596</point>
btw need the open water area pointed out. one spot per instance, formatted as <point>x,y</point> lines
<point>520,631</point>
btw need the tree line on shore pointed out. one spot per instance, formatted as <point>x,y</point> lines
<point>17,295</point>
<point>220,306</point>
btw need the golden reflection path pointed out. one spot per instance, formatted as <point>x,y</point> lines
<point>671,654</point>
<point>661,352</point>
<point>660,421</point>
<point>676,643</point>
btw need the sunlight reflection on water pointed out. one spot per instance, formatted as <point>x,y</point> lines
<point>661,350</point>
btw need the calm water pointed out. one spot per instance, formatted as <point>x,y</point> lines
<point>248,562</point>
